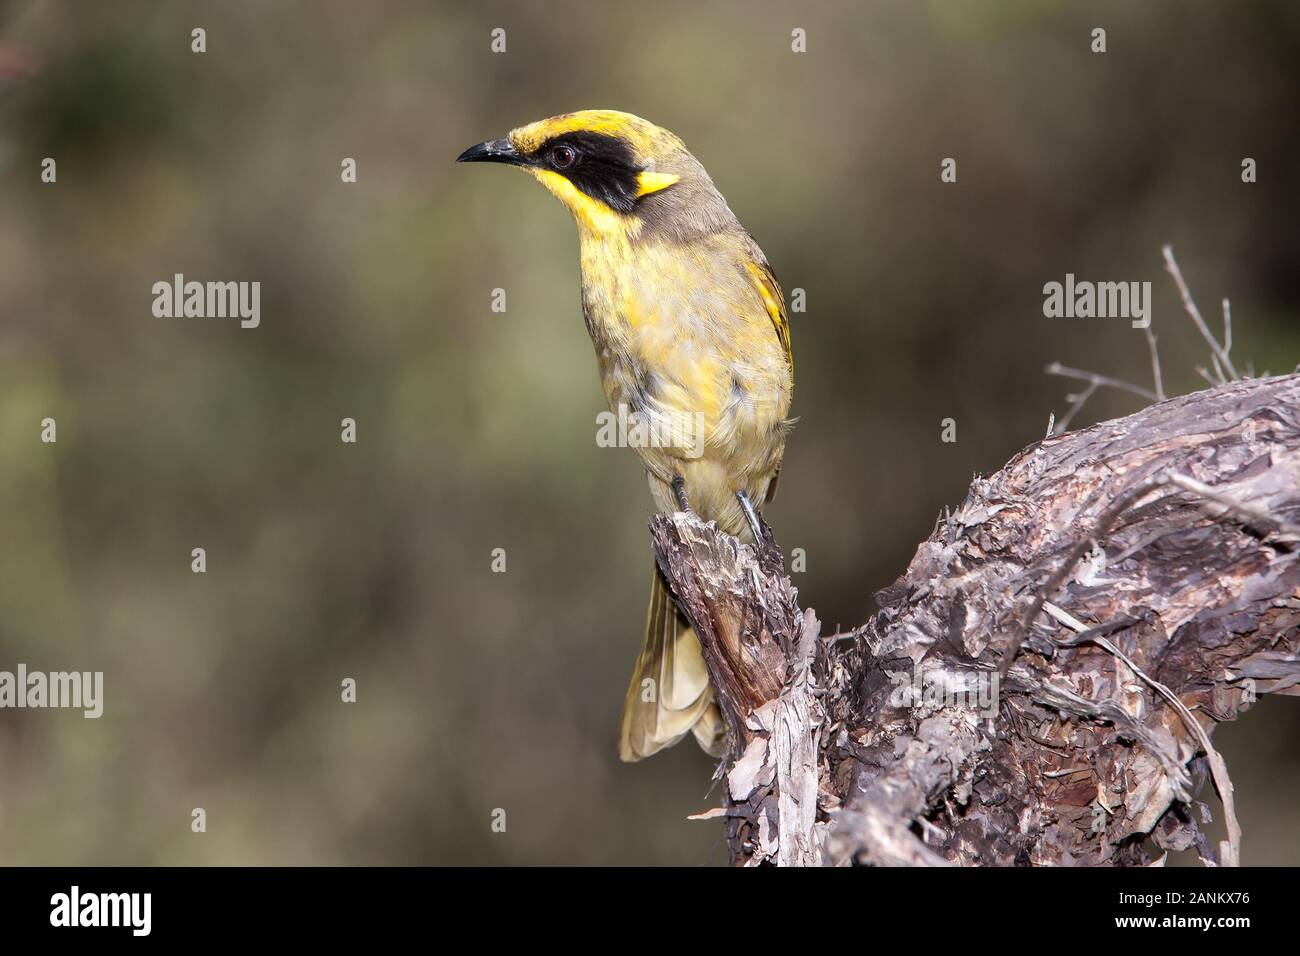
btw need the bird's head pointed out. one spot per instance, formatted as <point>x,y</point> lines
<point>618,174</point>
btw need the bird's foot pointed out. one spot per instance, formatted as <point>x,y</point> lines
<point>751,516</point>
<point>679,490</point>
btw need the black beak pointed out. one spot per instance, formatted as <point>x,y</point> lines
<point>493,151</point>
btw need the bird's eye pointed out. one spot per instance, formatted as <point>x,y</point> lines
<point>562,157</point>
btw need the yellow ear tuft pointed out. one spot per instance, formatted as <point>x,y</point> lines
<point>651,182</point>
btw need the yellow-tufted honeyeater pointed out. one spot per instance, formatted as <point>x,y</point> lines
<point>691,337</point>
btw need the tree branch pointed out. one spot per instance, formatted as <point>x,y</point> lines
<point>1041,684</point>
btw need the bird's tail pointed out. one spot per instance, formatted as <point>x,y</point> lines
<point>669,694</point>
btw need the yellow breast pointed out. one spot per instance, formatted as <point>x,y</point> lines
<point>684,330</point>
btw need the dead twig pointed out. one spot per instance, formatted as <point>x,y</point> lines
<point>1230,853</point>
<point>1260,519</point>
<point>1223,370</point>
<point>1094,381</point>
<point>1189,305</point>
<point>1156,377</point>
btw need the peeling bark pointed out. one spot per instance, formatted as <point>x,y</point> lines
<point>1040,686</point>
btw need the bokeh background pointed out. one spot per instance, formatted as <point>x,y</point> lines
<point>476,430</point>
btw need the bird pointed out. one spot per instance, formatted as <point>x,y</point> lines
<point>692,339</point>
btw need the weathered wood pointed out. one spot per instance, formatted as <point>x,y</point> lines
<point>1106,598</point>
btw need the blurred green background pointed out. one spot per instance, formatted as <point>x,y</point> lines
<point>476,430</point>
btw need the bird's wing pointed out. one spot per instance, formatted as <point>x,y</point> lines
<point>774,301</point>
